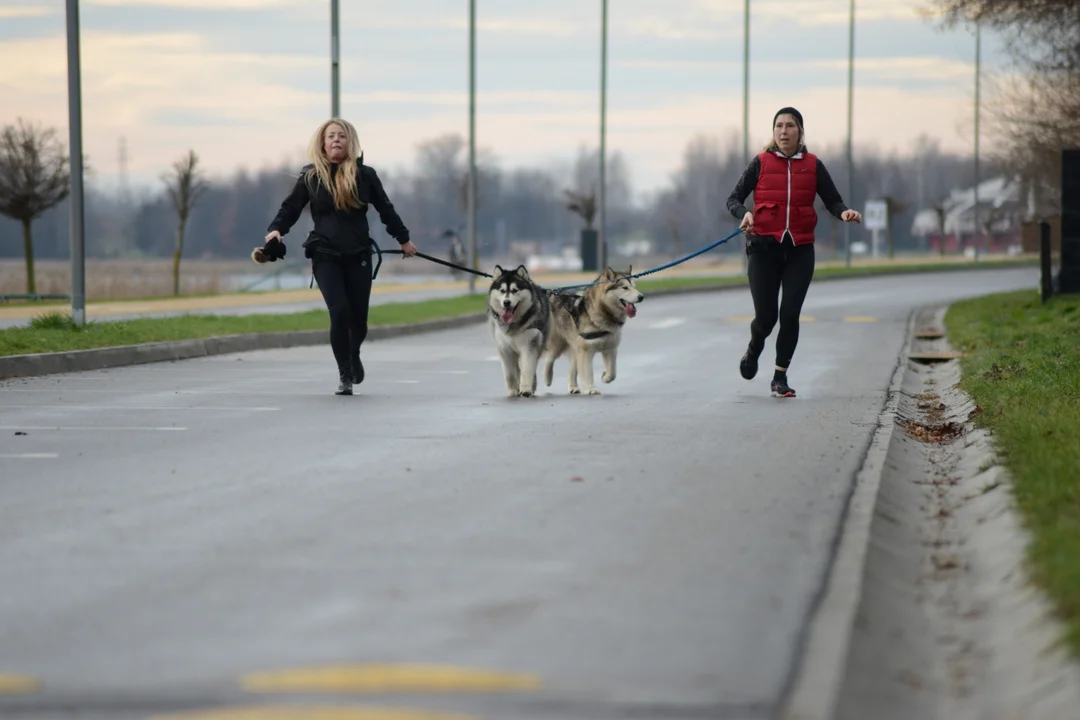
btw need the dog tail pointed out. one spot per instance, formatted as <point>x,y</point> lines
<point>258,255</point>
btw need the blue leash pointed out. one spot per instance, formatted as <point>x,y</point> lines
<point>379,252</point>
<point>643,273</point>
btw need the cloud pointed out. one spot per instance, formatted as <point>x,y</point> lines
<point>206,4</point>
<point>904,68</point>
<point>204,83</point>
<point>24,11</point>
<point>815,13</point>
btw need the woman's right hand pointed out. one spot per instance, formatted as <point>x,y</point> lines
<point>273,234</point>
<point>747,222</point>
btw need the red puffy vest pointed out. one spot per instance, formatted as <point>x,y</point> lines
<point>784,197</point>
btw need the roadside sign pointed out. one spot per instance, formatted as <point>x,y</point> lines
<point>876,215</point>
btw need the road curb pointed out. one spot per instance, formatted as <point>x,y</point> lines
<point>820,670</point>
<point>15,366</point>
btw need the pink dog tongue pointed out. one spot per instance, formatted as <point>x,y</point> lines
<point>631,310</point>
<point>507,315</point>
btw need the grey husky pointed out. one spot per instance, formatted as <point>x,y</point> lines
<point>589,323</point>
<point>519,316</point>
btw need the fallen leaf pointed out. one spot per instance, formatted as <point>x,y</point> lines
<point>19,432</point>
<point>577,478</point>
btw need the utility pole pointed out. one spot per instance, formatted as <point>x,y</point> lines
<point>978,69</point>
<point>78,224</point>
<point>850,128</point>
<point>744,260</point>
<point>335,76</point>
<point>470,199</point>
<point>746,84</point>
<point>601,237</point>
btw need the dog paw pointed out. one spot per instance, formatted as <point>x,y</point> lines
<point>607,378</point>
<point>526,393</point>
<point>594,391</point>
<point>575,391</point>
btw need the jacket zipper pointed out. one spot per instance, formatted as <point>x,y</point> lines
<point>787,219</point>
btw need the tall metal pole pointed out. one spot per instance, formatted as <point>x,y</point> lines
<point>744,260</point>
<point>746,84</point>
<point>78,264</point>
<point>471,189</point>
<point>978,63</point>
<point>335,76</point>
<point>601,236</point>
<point>850,128</point>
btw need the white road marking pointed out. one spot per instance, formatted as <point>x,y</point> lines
<point>111,428</point>
<point>136,407</point>
<point>669,322</point>
<point>409,382</point>
<point>29,456</point>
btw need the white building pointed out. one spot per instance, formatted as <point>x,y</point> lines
<point>1002,204</point>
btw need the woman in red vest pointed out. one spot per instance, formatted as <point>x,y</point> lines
<point>784,179</point>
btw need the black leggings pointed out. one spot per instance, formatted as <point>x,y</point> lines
<point>345,283</point>
<point>773,266</point>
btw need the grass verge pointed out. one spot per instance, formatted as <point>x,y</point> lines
<point>56,332</point>
<point>1022,367</point>
<point>53,331</point>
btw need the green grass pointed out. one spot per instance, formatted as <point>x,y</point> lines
<point>51,333</point>
<point>56,332</point>
<point>1022,367</point>
<point>646,284</point>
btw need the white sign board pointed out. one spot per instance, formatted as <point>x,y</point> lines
<point>876,215</point>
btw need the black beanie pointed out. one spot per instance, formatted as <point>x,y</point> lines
<point>789,111</point>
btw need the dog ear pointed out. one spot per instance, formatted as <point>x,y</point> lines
<point>608,273</point>
<point>522,271</point>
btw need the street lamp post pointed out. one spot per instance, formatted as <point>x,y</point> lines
<point>78,263</point>
<point>335,77</point>
<point>470,193</point>
<point>850,128</point>
<point>746,84</point>
<point>601,236</point>
<point>978,69</point>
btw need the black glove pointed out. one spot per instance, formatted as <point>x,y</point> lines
<point>270,252</point>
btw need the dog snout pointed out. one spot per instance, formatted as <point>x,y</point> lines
<point>506,303</point>
<point>640,297</point>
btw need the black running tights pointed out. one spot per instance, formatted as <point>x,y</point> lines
<point>345,283</point>
<point>772,267</point>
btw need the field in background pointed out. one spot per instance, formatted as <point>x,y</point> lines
<point>145,279</point>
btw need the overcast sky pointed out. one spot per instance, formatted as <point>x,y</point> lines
<point>245,82</point>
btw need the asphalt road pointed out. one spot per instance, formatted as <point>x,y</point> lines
<point>165,530</point>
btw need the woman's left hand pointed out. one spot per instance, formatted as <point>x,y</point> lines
<point>408,249</point>
<point>851,216</point>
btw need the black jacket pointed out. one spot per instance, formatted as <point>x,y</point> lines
<point>346,231</point>
<point>826,189</point>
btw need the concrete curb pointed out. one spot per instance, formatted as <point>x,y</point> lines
<point>821,666</point>
<point>15,366</point>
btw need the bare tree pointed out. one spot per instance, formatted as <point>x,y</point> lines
<point>34,176</point>
<point>1036,117</point>
<point>185,184</point>
<point>583,205</point>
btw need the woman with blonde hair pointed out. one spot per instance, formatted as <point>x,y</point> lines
<point>339,188</point>
<point>784,178</point>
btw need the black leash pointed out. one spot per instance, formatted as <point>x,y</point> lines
<point>380,252</point>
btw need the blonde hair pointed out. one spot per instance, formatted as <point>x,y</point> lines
<point>343,186</point>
